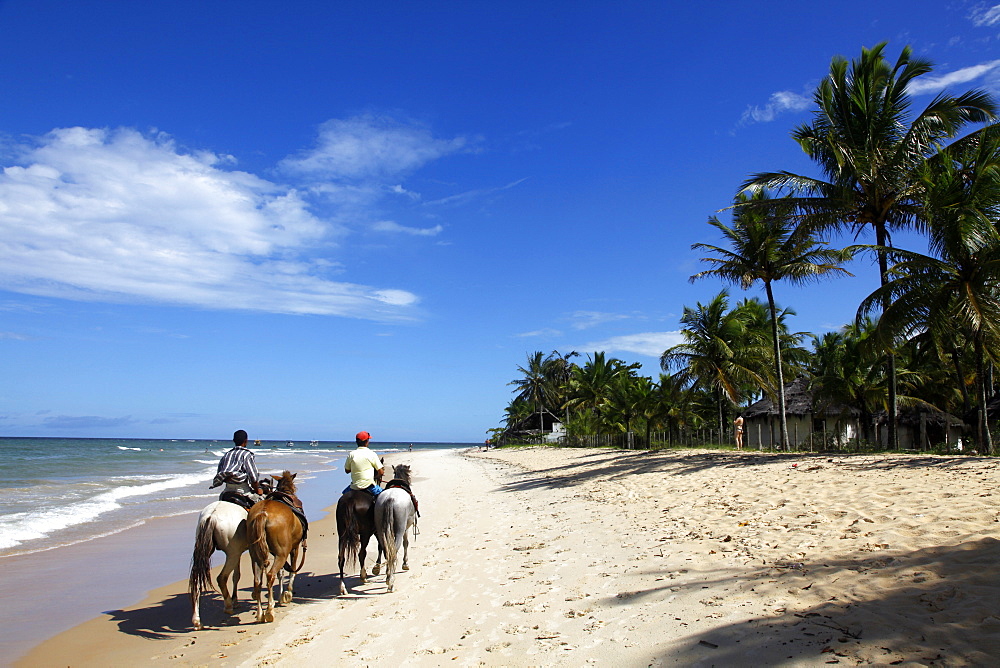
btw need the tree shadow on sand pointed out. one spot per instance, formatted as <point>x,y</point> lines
<point>613,464</point>
<point>933,606</point>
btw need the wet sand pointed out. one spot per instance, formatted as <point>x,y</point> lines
<point>574,556</point>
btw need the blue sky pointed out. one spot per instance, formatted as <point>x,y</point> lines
<point>310,218</point>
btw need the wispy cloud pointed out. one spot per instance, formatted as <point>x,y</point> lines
<point>115,215</point>
<point>651,344</point>
<point>986,16</point>
<point>369,146</point>
<point>779,103</point>
<point>588,319</point>
<point>540,332</point>
<point>961,76</point>
<point>395,228</point>
<point>462,198</point>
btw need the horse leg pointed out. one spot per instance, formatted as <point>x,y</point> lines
<point>289,593</point>
<point>340,563</point>
<point>406,550</point>
<point>232,565</point>
<point>258,577</point>
<point>378,562</point>
<point>362,552</point>
<point>275,568</point>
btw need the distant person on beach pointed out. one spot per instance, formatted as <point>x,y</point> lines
<point>238,470</point>
<point>364,466</point>
<point>739,432</point>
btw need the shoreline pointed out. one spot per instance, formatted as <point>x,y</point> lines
<point>90,577</point>
<point>559,556</point>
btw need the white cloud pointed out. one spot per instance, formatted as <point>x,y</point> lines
<point>986,16</point>
<point>548,333</point>
<point>113,215</point>
<point>367,147</point>
<point>393,227</point>
<point>588,319</point>
<point>779,103</point>
<point>651,344</point>
<point>468,196</point>
<point>964,75</point>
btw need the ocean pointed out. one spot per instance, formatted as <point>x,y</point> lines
<point>89,525</point>
<point>61,491</point>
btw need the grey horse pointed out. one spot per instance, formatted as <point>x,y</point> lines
<point>395,512</point>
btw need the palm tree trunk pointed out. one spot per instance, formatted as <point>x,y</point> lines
<point>777,363</point>
<point>983,438</point>
<point>883,271</point>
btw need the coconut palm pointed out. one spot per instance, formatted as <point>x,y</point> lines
<point>766,245</point>
<point>718,354</point>
<point>531,387</point>
<point>959,285</point>
<point>871,148</point>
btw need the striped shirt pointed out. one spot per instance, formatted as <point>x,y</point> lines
<point>237,466</point>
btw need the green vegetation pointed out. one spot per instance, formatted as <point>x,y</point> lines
<point>926,340</point>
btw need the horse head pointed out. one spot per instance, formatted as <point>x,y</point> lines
<point>286,482</point>
<point>401,472</point>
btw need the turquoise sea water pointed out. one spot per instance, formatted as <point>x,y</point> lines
<point>61,491</point>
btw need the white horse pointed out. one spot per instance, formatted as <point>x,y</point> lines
<point>395,513</point>
<point>221,526</point>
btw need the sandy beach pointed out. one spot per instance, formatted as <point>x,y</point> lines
<point>557,556</point>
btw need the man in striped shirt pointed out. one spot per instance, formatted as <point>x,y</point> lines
<point>238,470</point>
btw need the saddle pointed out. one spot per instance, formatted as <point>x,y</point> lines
<point>403,485</point>
<point>294,504</point>
<point>241,500</point>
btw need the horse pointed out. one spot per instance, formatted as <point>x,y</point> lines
<point>395,512</point>
<point>221,526</point>
<point>355,527</point>
<point>274,528</point>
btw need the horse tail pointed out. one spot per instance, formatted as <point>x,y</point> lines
<point>257,537</point>
<point>350,537</point>
<point>384,520</point>
<point>201,561</point>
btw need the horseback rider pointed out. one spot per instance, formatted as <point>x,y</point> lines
<point>364,466</point>
<point>238,470</point>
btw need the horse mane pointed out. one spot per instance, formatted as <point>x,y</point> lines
<point>286,483</point>
<point>401,472</point>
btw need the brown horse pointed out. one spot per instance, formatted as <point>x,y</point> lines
<point>273,528</point>
<point>355,527</point>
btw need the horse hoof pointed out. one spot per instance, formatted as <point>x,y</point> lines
<point>406,567</point>
<point>343,589</point>
<point>268,616</point>
<point>229,611</point>
<point>376,569</point>
<point>197,626</point>
<point>286,597</point>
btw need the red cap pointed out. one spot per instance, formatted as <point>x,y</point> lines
<point>363,436</point>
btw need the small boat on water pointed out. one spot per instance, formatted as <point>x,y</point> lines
<point>314,443</point>
<point>290,444</point>
<point>256,441</point>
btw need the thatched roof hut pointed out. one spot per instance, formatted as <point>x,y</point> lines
<point>799,401</point>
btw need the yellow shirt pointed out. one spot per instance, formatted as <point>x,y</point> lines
<point>362,464</point>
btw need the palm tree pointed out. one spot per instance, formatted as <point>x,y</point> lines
<point>717,355</point>
<point>871,150</point>
<point>846,372</point>
<point>531,388</point>
<point>590,385</point>
<point>959,286</point>
<point>766,245</point>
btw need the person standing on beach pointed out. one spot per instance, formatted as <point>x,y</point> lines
<point>238,469</point>
<point>364,466</point>
<point>739,432</point>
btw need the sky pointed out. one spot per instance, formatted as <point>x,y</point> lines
<point>305,219</point>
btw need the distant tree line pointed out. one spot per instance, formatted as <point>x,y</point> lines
<point>927,336</point>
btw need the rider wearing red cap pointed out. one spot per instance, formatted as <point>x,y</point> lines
<point>363,465</point>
